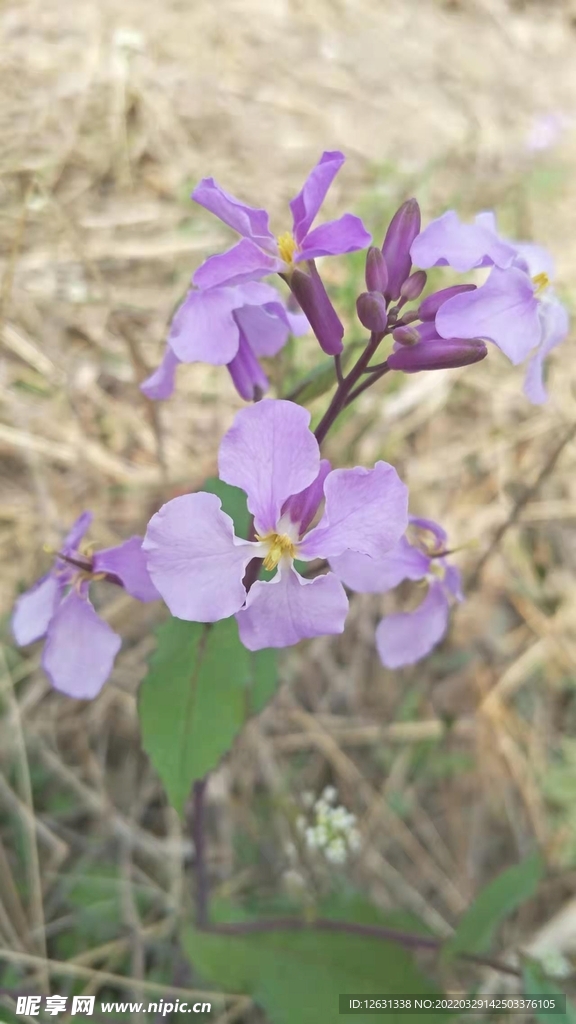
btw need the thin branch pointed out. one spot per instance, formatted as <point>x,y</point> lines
<point>520,504</point>
<point>338,366</point>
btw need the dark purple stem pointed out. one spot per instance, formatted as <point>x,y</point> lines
<point>342,393</point>
<point>199,840</point>
<point>384,368</point>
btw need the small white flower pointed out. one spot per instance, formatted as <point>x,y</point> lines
<point>336,852</point>
<point>329,794</point>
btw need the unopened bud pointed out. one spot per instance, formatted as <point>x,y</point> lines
<point>402,230</point>
<point>442,354</point>
<point>376,270</point>
<point>431,304</point>
<point>315,303</point>
<point>371,309</point>
<point>406,335</point>
<point>414,285</point>
<point>247,375</point>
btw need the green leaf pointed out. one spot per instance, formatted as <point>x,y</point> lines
<point>493,904</point>
<point>233,503</point>
<point>323,377</point>
<point>296,976</point>
<point>537,984</point>
<point>202,685</point>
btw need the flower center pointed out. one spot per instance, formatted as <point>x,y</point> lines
<point>541,282</point>
<point>287,246</point>
<point>280,544</point>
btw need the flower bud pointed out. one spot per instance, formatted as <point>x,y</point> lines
<point>414,285</point>
<point>402,230</point>
<point>376,270</point>
<point>247,375</point>
<point>406,335</point>
<point>315,303</point>
<point>371,309</point>
<point>431,304</point>
<point>441,354</point>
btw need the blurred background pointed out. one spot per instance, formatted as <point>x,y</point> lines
<point>109,114</point>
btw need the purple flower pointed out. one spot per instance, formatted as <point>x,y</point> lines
<point>516,308</point>
<point>406,637</point>
<point>259,253</point>
<point>230,326</point>
<point>80,647</point>
<point>448,242</point>
<point>198,564</point>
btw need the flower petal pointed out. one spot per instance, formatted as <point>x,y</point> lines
<point>80,649</point>
<point>195,560</point>
<point>366,511</point>
<point>77,532</point>
<point>537,259</point>
<point>439,534</point>
<point>504,309</point>
<point>555,326</point>
<point>264,327</point>
<point>245,261</point>
<point>405,638</point>
<point>377,575</point>
<point>271,454</point>
<point>204,329</point>
<point>302,507</point>
<point>127,563</point>
<point>34,610</point>
<point>446,241</point>
<point>290,608</point>
<point>347,234</point>
<point>306,204</point>
<point>160,384</point>
<point>246,220</point>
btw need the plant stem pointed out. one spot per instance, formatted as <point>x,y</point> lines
<point>410,940</point>
<point>342,394</point>
<point>384,368</point>
<point>199,840</point>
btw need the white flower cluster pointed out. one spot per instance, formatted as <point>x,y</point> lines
<point>332,831</point>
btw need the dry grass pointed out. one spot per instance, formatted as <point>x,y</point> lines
<point>107,115</point>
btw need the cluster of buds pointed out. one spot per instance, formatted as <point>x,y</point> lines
<point>331,829</point>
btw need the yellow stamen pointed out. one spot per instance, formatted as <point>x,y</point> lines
<point>286,246</point>
<point>542,281</point>
<point>280,544</point>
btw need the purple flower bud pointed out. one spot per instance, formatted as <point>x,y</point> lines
<point>409,317</point>
<point>406,335</point>
<point>431,304</point>
<point>315,303</point>
<point>402,231</point>
<point>376,270</point>
<point>414,285</point>
<point>371,309</point>
<point>247,375</point>
<point>442,354</point>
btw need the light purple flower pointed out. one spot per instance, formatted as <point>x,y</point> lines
<point>231,326</point>
<point>198,564</point>
<point>259,252</point>
<point>80,647</point>
<point>515,308</point>
<point>406,637</point>
<point>448,242</point>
